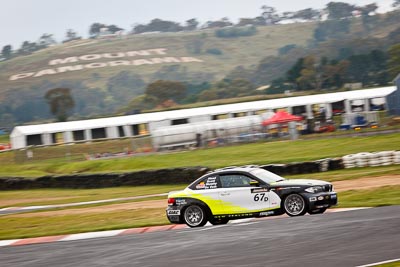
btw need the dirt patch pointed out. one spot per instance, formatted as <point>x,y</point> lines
<point>356,184</point>
<point>11,202</point>
<point>366,183</point>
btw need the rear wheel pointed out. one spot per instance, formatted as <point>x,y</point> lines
<point>294,205</point>
<point>317,211</point>
<point>195,216</point>
<point>219,221</point>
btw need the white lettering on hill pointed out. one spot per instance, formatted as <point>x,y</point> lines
<point>153,56</point>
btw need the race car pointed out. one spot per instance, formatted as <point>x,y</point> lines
<point>244,192</point>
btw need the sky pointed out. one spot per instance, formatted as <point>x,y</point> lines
<point>27,20</point>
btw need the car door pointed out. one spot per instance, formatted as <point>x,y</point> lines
<point>239,195</point>
<point>207,191</point>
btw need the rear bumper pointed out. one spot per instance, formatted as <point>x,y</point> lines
<point>174,214</point>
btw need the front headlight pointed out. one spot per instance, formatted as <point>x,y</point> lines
<point>313,189</point>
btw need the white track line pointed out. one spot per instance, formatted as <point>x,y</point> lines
<point>378,263</point>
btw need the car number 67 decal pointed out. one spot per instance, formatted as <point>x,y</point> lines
<point>260,197</point>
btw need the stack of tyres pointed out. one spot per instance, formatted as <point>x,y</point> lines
<point>386,157</point>
<point>374,160</point>
<point>349,161</point>
<point>396,157</point>
<point>362,159</point>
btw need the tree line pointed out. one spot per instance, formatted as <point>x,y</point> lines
<point>268,16</point>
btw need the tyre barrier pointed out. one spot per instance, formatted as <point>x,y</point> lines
<point>321,165</point>
<point>187,175</point>
<point>148,177</point>
<point>396,157</point>
<point>371,159</point>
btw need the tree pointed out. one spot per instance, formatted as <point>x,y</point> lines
<point>113,28</point>
<point>191,24</point>
<point>394,61</point>
<point>60,102</point>
<point>6,52</point>
<point>339,10</point>
<point>331,29</point>
<point>71,35</point>
<point>295,72</point>
<point>269,15</point>
<point>224,22</point>
<point>165,90</point>
<point>95,29</point>
<point>158,25</point>
<point>125,85</point>
<point>306,14</point>
<point>28,47</point>
<point>368,9</point>
<point>46,39</point>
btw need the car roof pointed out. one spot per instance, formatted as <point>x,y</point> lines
<point>246,168</point>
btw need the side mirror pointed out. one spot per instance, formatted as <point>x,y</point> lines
<point>254,183</point>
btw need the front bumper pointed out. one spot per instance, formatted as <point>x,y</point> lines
<point>321,200</point>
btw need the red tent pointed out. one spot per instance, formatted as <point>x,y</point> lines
<point>281,117</point>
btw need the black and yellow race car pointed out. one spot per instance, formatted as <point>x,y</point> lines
<point>244,192</point>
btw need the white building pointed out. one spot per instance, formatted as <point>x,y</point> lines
<point>143,124</point>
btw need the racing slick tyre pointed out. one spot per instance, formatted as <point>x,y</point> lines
<point>317,211</point>
<point>294,205</point>
<point>219,221</point>
<point>195,216</point>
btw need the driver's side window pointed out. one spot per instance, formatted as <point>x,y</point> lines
<point>235,180</point>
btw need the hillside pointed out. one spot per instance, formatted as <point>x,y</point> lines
<point>235,51</point>
<point>106,74</point>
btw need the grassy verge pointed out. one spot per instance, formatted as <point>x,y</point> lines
<point>349,174</point>
<point>258,153</point>
<point>18,198</point>
<point>61,196</point>
<point>382,196</point>
<point>17,226</point>
<point>35,224</point>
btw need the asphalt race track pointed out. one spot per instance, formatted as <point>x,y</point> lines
<point>349,238</point>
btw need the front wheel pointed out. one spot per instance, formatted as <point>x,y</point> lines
<point>317,211</point>
<point>195,216</point>
<point>294,205</point>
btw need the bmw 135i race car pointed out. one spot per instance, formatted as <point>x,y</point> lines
<point>244,192</point>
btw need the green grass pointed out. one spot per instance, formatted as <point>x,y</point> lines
<point>256,153</point>
<point>4,139</point>
<point>62,196</point>
<point>392,264</point>
<point>349,174</point>
<point>35,225</point>
<point>382,196</point>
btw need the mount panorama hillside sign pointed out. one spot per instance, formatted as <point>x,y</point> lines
<point>147,57</point>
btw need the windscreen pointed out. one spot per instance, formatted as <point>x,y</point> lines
<point>267,176</point>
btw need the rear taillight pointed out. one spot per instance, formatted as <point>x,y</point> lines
<point>171,201</point>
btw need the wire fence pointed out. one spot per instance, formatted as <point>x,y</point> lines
<point>141,145</point>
